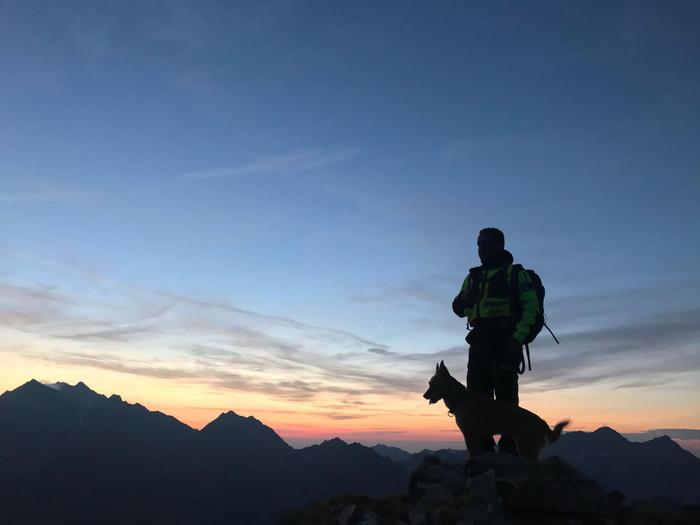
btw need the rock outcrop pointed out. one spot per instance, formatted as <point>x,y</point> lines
<point>497,489</point>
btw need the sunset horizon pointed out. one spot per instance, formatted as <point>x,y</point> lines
<point>302,435</point>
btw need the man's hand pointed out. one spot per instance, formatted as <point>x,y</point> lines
<point>515,350</point>
<point>514,346</point>
<point>513,356</point>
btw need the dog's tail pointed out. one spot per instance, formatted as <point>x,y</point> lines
<point>554,434</point>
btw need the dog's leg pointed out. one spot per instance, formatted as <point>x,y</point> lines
<point>472,439</point>
<point>529,444</point>
<point>474,446</point>
<point>475,443</point>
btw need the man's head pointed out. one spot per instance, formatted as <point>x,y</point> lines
<point>491,242</point>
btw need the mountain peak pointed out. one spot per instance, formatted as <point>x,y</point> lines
<point>30,387</point>
<point>226,418</point>
<point>334,442</point>
<point>78,387</point>
<point>230,421</point>
<point>230,418</point>
<point>663,443</point>
<point>393,453</point>
<point>243,434</point>
<point>609,433</point>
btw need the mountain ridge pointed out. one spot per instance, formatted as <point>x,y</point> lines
<point>604,430</point>
<point>107,457</point>
<point>70,444</point>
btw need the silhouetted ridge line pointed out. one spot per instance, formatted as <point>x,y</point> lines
<point>95,456</point>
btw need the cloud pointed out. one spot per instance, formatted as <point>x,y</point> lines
<point>650,344</point>
<point>342,417</point>
<point>628,303</point>
<point>239,379</point>
<point>110,362</point>
<point>33,293</point>
<point>212,342</point>
<point>413,290</point>
<point>72,268</point>
<point>643,383</point>
<point>43,310</point>
<point>322,334</point>
<point>201,340</point>
<point>117,333</point>
<point>297,390</point>
<point>45,192</point>
<point>380,351</point>
<point>292,163</point>
<point>654,350</point>
<point>451,353</point>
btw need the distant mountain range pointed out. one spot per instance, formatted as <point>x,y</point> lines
<point>687,438</point>
<point>71,455</point>
<point>655,468</point>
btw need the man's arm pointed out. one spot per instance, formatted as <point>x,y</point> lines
<point>460,302</point>
<point>529,305</point>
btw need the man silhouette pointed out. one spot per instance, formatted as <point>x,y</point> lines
<point>500,319</point>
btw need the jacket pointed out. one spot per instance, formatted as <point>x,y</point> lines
<point>495,297</point>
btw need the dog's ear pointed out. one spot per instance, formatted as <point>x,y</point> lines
<point>443,368</point>
<point>437,368</point>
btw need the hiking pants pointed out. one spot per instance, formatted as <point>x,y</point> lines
<point>492,371</point>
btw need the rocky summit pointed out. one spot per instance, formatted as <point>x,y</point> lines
<point>497,489</point>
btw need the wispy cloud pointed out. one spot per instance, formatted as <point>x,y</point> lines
<point>115,334</point>
<point>651,351</point>
<point>381,351</point>
<point>43,193</point>
<point>71,268</point>
<point>201,341</point>
<point>215,343</point>
<point>291,163</point>
<point>413,291</point>
<point>342,417</point>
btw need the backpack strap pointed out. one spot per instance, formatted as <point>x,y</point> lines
<point>515,270</point>
<point>477,275</point>
<point>550,331</point>
<point>529,364</point>
<point>515,308</point>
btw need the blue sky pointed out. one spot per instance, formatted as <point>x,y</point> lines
<point>331,163</point>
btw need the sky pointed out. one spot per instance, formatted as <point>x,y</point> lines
<point>267,207</point>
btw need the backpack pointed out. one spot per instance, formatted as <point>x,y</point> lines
<point>516,309</point>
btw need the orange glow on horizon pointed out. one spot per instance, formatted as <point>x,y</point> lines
<point>379,418</point>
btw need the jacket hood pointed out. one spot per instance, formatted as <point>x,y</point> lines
<point>503,258</point>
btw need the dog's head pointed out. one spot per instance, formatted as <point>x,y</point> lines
<point>437,386</point>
